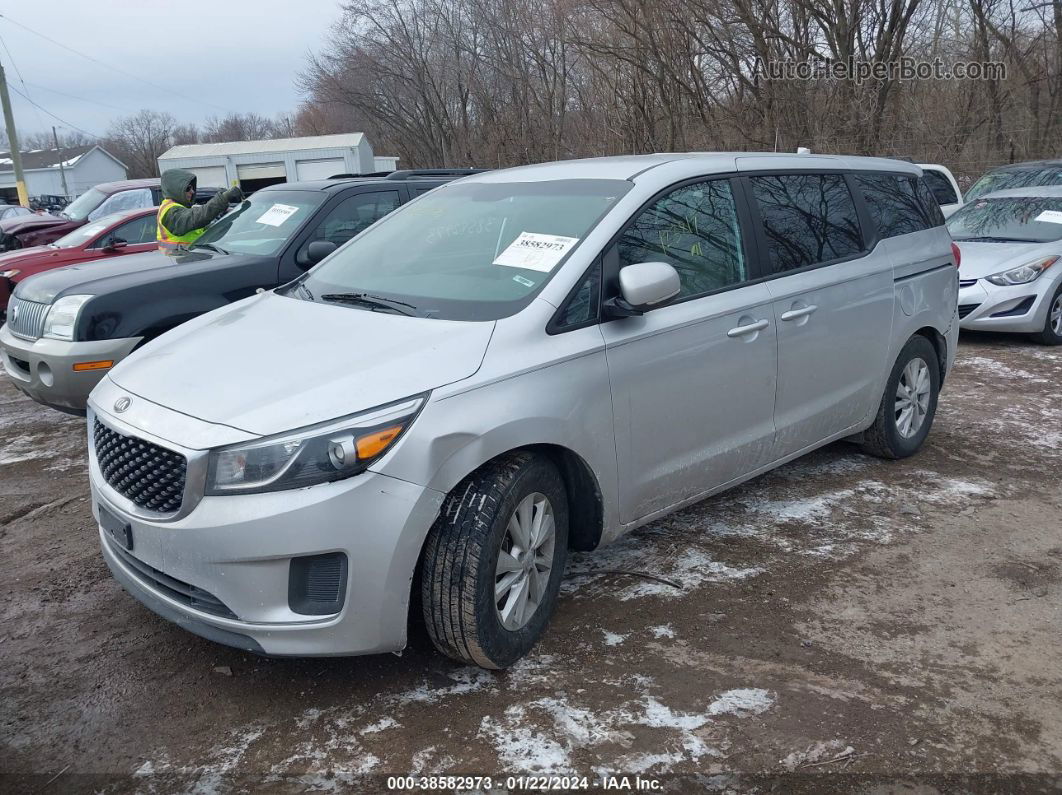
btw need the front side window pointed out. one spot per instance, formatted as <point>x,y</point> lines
<point>694,229</point>
<point>139,230</point>
<point>893,203</point>
<point>809,219</point>
<point>125,200</point>
<point>942,190</point>
<point>354,215</point>
<point>465,251</point>
<point>1023,219</point>
<point>263,223</point>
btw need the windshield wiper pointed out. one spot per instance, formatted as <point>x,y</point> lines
<point>208,247</point>
<point>990,239</point>
<point>364,299</point>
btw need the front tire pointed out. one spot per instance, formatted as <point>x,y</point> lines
<point>909,403</point>
<point>1052,333</point>
<point>494,560</point>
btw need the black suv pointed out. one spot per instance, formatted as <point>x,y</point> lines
<point>113,306</point>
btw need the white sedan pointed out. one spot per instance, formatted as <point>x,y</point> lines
<point>1010,275</point>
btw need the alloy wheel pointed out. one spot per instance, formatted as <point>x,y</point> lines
<point>525,561</point>
<point>912,397</point>
<point>1056,315</point>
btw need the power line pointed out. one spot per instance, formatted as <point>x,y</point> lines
<point>81,99</point>
<point>169,91</point>
<point>22,80</point>
<point>57,118</point>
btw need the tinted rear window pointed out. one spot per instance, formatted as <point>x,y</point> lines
<point>808,219</point>
<point>894,204</point>
<point>943,192</point>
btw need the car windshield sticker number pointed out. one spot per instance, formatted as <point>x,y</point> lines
<point>277,214</point>
<point>523,281</point>
<point>1051,216</point>
<point>536,252</point>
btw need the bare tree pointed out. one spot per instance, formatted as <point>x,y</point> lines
<point>138,140</point>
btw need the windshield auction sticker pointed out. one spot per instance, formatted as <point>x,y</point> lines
<point>277,214</point>
<point>536,252</point>
<point>1051,216</point>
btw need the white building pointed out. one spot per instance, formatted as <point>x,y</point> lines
<point>256,164</point>
<point>84,167</point>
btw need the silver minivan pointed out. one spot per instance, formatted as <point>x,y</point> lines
<point>512,366</point>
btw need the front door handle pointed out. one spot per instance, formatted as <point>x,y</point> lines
<point>795,314</point>
<point>751,328</point>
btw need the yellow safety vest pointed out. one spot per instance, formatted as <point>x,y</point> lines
<point>166,239</point>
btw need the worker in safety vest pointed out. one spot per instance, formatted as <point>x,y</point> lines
<point>179,221</point>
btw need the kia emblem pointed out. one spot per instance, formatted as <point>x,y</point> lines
<point>121,404</point>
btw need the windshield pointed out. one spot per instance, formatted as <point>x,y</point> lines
<point>80,207</point>
<point>467,251</point>
<point>1028,219</point>
<point>85,233</point>
<point>263,223</point>
<point>1014,178</point>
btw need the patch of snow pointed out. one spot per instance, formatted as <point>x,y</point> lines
<point>381,725</point>
<point>522,749</point>
<point>612,639</point>
<point>742,701</point>
<point>662,631</point>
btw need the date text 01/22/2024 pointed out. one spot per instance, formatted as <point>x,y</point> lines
<point>523,783</point>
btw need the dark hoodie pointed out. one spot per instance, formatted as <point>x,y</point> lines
<point>182,220</point>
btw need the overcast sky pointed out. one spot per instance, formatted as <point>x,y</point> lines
<point>230,55</point>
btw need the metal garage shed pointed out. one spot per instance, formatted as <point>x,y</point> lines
<point>259,163</point>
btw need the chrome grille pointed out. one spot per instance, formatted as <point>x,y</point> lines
<point>26,318</point>
<point>967,282</point>
<point>148,475</point>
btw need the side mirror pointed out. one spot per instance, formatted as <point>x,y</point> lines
<point>318,250</point>
<point>114,243</point>
<point>643,286</point>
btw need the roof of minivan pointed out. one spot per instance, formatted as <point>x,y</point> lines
<point>1032,191</point>
<point>630,166</point>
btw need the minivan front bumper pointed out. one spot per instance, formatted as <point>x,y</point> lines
<point>227,569</point>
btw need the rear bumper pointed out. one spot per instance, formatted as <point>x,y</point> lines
<point>1020,308</point>
<point>43,369</point>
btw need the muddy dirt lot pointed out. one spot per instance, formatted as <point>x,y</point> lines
<point>841,622</point>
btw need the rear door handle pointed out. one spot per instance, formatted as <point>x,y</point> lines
<point>751,328</point>
<point>794,314</point>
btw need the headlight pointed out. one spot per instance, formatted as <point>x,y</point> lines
<point>1023,274</point>
<point>11,274</point>
<point>60,320</point>
<point>317,454</point>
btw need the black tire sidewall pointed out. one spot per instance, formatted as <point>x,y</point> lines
<point>502,645</point>
<point>921,348</point>
<point>1048,336</point>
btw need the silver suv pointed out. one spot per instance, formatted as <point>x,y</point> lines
<point>512,366</point>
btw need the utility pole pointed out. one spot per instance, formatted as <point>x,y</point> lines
<point>12,137</point>
<point>62,173</point>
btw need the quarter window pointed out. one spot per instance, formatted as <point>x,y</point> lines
<point>894,204</point>
<point>582,306</point>
<point>695,229</point>
<point>929,203</point>
<point>808,219</point>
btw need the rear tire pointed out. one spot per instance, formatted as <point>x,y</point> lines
<point>908,404</point>
<point>487,597</point>
<point>1052,333</point>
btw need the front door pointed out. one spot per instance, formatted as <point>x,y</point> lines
<point>833,305</point>
<point>693,382</point>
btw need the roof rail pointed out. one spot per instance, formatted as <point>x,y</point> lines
<point>414,173</point>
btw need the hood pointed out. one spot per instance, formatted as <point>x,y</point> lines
<point>174,181</point>
<point>32,223</point>
<point>269,363</point>
<point>23,256</point>
<point>983,259</point>
<point>100,276</point>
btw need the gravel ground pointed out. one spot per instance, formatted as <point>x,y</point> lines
<point>840,624</point>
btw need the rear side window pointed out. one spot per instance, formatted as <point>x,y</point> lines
<point>894,204</point>
<point>942,190</point>
<point>695,229</point>
<point>929,203</point>
<point>808,219</point>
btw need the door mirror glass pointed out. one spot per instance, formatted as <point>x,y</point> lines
<point>644,286</point>
<point>318,250</point>
<point>113,243</point>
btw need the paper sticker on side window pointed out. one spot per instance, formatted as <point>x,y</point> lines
<point>536,252</point>
<point>1051,216</point>
<point>277,214</point>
